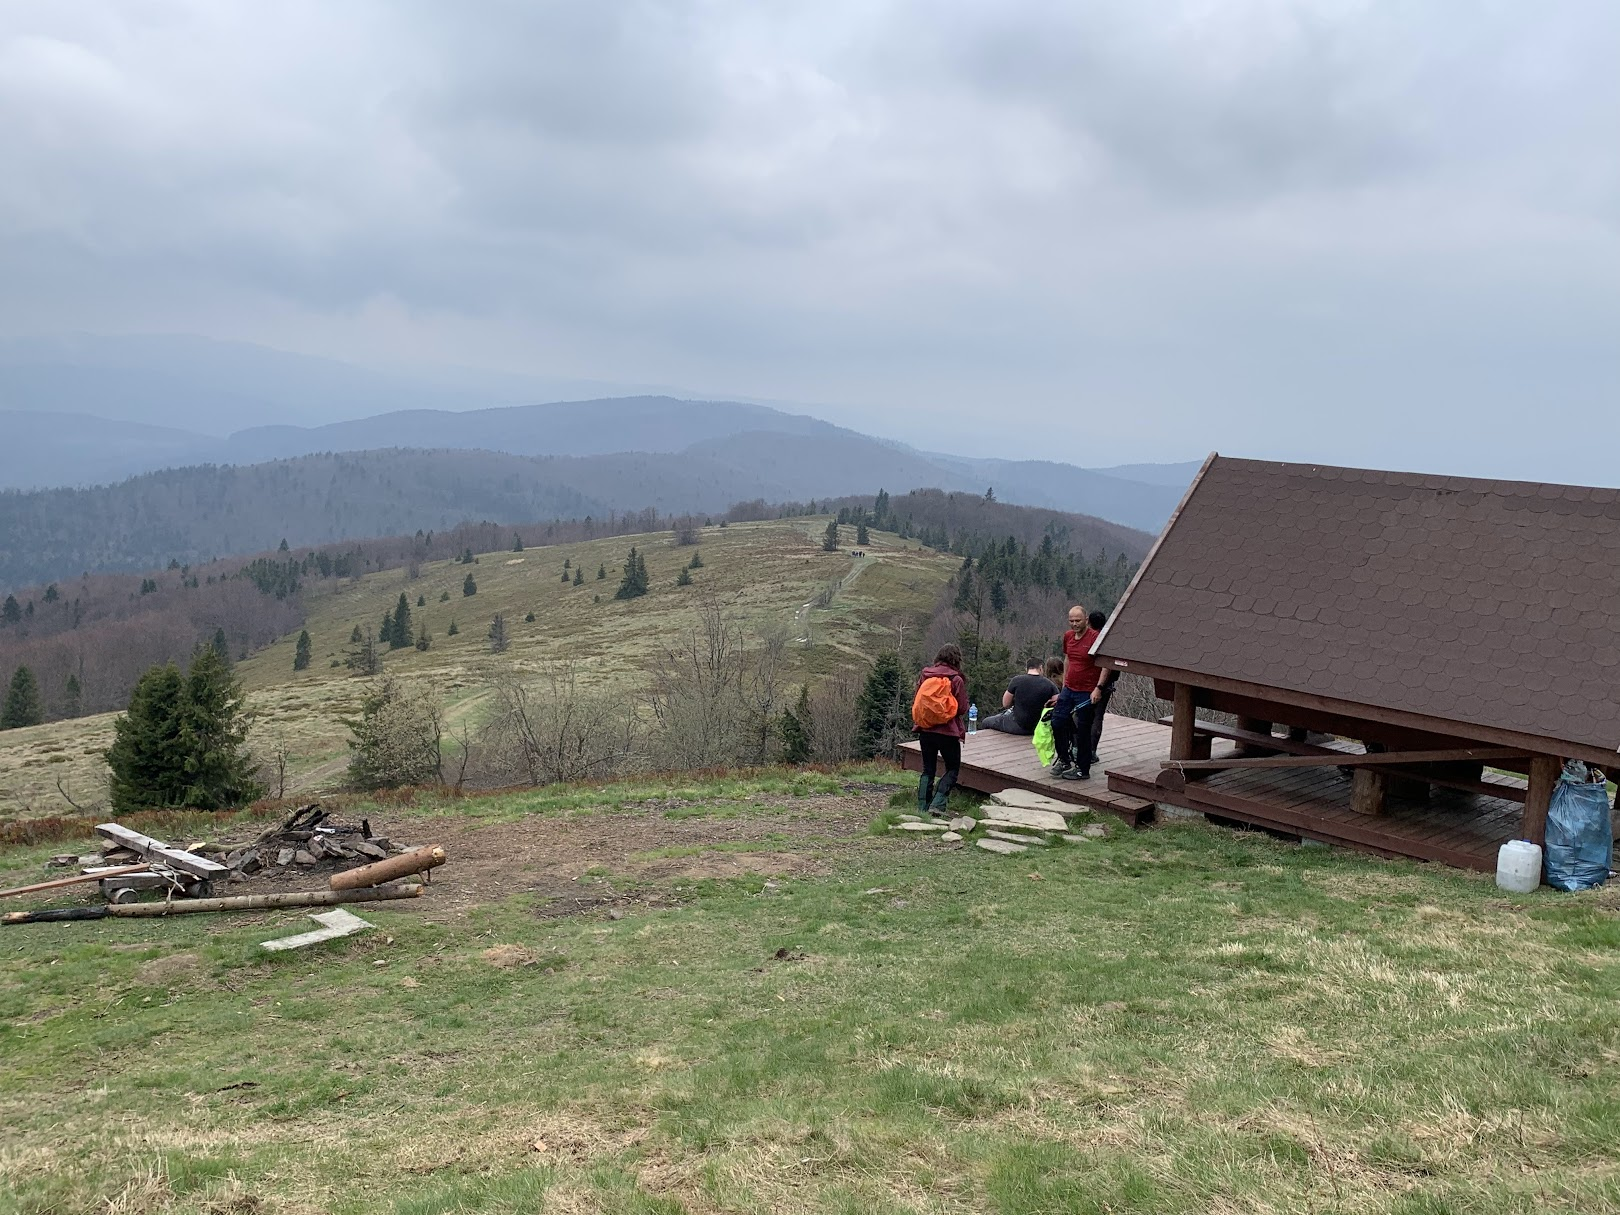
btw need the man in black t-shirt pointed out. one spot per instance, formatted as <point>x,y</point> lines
<point>1022,702</point>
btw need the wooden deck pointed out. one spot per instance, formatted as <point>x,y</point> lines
<point>1455,828</point>
<point>993,761</point>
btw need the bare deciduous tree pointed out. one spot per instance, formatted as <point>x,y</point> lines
<point>549,730</point>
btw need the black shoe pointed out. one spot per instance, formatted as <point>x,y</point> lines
<point>1094,757</point>
<point>1075,774</point>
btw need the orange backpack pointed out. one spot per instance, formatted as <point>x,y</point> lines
<point>934,705</point>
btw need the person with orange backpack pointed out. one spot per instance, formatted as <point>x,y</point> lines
<point>939,713</point>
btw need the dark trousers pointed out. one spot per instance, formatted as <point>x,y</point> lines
<point>1097,711</point>
<point>1071,728</point>
<point>1006,723</point>
<point>934,748</point>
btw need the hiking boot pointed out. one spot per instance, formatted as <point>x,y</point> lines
<point>1060,766</point>
<point>1075,774</point>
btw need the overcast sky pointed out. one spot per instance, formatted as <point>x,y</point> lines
<point>1379,233</point>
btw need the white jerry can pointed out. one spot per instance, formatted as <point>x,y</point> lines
<point>1518,866</point>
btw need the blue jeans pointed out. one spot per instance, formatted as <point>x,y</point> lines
<point>1071,728</point>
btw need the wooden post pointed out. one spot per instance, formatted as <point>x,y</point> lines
<point>1254,725</point>
<point>1544,771</point>
<point>1368,790</point>
<point>1184,743</point>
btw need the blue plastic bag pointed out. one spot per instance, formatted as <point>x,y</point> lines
<point>1580,835</point>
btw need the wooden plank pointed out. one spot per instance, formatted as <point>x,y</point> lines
<point>1232,734</point>
<point>157,850</point>
<point>1348,759</point>
<point>1544,771</point>
<point>95,875</point>
<point>1287,698</point>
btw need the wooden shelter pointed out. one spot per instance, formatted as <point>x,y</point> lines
<point>1408,659</point>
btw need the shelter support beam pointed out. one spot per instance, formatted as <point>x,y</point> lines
<point>1543,776</point>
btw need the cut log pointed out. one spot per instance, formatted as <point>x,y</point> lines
<point>419,861</point>
<point>1368,791</point>
<point>156,850</point>
<point>244,902</point>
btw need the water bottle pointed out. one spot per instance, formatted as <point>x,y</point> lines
<point>973,719</point>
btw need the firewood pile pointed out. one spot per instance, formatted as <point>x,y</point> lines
<point>310,841</point>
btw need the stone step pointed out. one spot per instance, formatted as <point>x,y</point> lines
<point>1010,838</point>
<point>1041,820</point>
<point>1000,846</point>
<point>918,827</point>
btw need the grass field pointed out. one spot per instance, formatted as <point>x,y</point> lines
<point>764,573</point>
<point>736,996</point>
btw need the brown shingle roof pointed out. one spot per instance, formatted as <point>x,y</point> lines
<point>1487,602</point>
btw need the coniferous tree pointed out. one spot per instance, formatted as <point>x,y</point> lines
<point>684,578</point>
<point>601,572</point>
<point>213,732</point>
<point>579,576</point>
<point>862,537</point>
<point>52,594</point>
<point>354,634</point>
<point>468,586</point>
<point>12,612</point>
<point>364,657</point>
<point>566,561</point>
<point>424,642</point>
<point>452,630</point>
<point>146,758</point>
<point>529,619</point>
<point>444,596</point>
<point>795,730</point>
<point>421,601</point>
<point>882,711</point>
<point>385,630</point>
<point>696,563</point>
<point>301,654</point>
<point>634,583</point>
<point>72,697</point>
<point>829,541</point>
<point>402,635</point>
<point>221,646</point>
<point>567,577</point>
<point>517,543</point>
<point>22,707</point>
<point>497,635</point>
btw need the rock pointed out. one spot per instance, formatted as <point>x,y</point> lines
<point>1016,839</point>
<point>316,848</point>
<point>909,818</point>
<point>285,857</point>
<point>302,858</point>
<point>63,859</point>
<point>249,862</point>
<point>1095,831</point>
<point>1023,799</point>
<point>919,827</point>
<point>366,848</point>
<point>963,822</point>
<point>950,837</point>
<point>1004,847</point>
<point>1042,820</point>
<point>1069,837</point>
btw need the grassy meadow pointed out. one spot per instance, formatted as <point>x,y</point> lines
<point>769,1004</point>
<point>763,573</point>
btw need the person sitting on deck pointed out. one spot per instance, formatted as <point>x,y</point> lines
<point>1072,714</point>
<point>1023,701</point>
<point>1105,690</point>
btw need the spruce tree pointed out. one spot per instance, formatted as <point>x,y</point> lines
<point>52,594</point>
<point>529,619</point>
<point>363,656</point>
<point>684,578</point>
<point>354,634</point>
<point>566,577</point>
<point>452,630</point>
<point>829,541</point>
<point>301,654</point>
<point>385,630</point>
<point>880,709</point>
<point>444,596</point>
<point>218,771</point>
<point>601,572</point>
<point>22,707</point>
<point>517,543</point>
<point>146,758</point>
<point>72,697</point>
<point>497,635</point>
<point>468,586</point>
<point>794,728</point>
<point>634,583</point>
<point>862,537</point>
<point>579,576</point>
<point>421,601</point>
<point>696,562</point>
<point>402,635</point>
<point>424,642</point>
<point>12,612</point>
<point>221,646</point>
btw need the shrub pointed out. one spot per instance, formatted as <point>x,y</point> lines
<point>397,739</point>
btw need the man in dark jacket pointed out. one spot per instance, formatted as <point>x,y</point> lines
<point>943,741</point>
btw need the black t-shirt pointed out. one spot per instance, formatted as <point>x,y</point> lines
<point>1030,694</point>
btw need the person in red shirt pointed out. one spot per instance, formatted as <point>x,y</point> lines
<point>942,741</point>
<point>1071,716</point>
